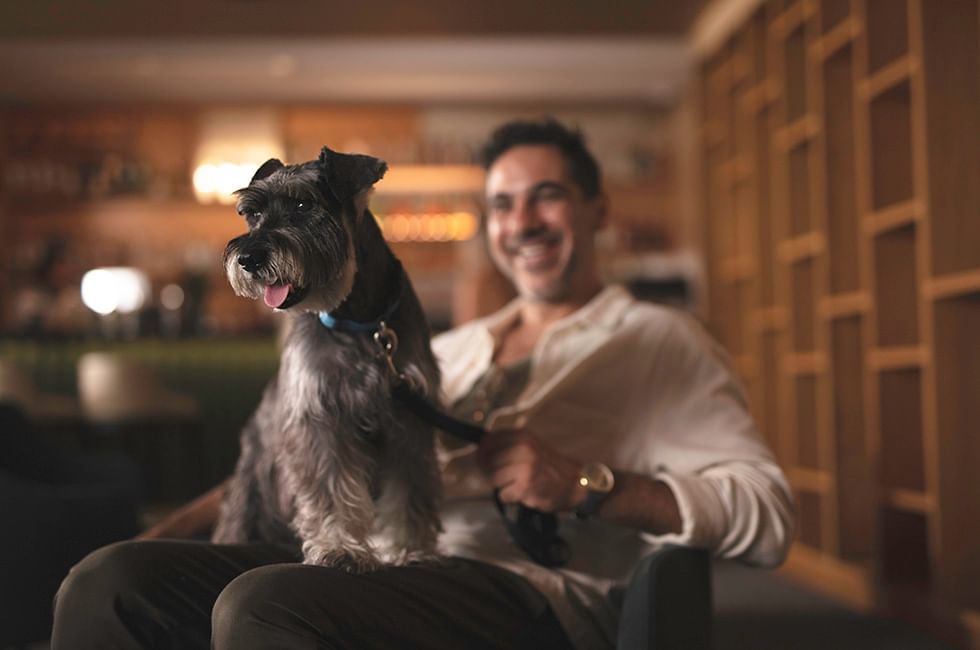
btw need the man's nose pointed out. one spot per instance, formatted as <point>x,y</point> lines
<point>526,215</point>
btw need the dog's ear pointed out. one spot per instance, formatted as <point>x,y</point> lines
<point>350,175</point>
<point>268,168</point>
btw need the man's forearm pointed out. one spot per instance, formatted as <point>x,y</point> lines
<point>642,503</point>
<point>192,519</point>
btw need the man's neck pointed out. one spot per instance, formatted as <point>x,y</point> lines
<point>533,318</point>
<point>538,314</point>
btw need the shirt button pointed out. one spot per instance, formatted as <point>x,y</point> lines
<point>478,416</point>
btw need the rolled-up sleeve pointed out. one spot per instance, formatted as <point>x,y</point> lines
<point>733,497</point>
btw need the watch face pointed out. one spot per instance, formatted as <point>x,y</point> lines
<point>599,476</point>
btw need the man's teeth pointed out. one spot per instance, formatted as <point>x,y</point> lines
<point>531,250</point>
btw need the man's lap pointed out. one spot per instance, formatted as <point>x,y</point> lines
<point>161,594</point>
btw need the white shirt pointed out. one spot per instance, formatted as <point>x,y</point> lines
<point>643,389</point>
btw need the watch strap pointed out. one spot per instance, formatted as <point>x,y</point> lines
<point>590,506</point>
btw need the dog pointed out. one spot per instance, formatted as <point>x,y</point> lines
<point>328,462</point>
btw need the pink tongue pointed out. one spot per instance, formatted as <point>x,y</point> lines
<point>275,294</point>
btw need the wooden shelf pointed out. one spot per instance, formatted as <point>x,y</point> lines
<point>803,295</point>
<point>809,522</point>
<point>840,190</point>
<point>887,31</point>
<point>953,285</point>
<point>834,13</point>
<point>894,358</point>
<point>795,77</point>
<point>893,217</point>
<point>953,398</point>
<point>901,448</point>
<point>839,37</point>
<point>799,187</point>
<point>909,501</point>
<point>890,115</point>
<point>895,279</point>
<point>801,248</point>
<point>888,77</point>
<point>849,413</point>
<point>793,18</point>
<point>860,319</point>
<point>905,557</point>
<point>845,305</point>
<point>734,171</point>
<point>767,319</point>
<point>802,130</point>
<point>760,96</point>
<point>810,480</point>
<point>805,363</point>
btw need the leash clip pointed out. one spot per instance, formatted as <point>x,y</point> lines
<point>387,340</point>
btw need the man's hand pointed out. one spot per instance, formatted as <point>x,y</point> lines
<point>530,472</point>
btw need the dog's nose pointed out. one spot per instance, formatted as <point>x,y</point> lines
<point>253,260</point>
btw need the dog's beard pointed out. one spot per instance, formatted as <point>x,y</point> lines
<point>330,296</point>
<point>320,292</point>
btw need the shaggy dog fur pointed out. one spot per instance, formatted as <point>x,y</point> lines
<point>328,463</point>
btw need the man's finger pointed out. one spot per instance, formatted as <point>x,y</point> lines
<point>506,456</point>
<point>509,474</point>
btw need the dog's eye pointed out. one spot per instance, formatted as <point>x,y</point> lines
<point>302,206</point>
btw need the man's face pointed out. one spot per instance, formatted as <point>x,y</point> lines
<point>540,227</point>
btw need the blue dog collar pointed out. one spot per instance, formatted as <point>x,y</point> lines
<point>344,325</point>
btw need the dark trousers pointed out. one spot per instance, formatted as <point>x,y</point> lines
<point>175,594</point>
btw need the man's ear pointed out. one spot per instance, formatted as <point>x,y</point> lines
<point>268,168</point>
<point>349,176</point>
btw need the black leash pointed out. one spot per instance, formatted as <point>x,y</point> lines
<point>534,531</point>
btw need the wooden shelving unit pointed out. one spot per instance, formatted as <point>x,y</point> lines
<point>841,203</point>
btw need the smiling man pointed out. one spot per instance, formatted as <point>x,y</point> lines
<point>620,417</point>
<point>625,414</point>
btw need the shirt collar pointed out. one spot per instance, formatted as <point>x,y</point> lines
<point>605,310</point>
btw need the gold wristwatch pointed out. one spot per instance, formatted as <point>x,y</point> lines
<point>599,480</point>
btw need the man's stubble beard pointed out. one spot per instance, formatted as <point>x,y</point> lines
<point>557,291</point>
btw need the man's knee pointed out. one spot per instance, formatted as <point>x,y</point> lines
<point>85,605</point>
<point>265,607</point>
<point>104,573</point>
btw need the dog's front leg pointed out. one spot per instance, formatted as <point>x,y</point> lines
<point>333,509</point>
<point>408,514</point>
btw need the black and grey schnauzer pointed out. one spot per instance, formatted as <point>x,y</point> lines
<point>328,462</point>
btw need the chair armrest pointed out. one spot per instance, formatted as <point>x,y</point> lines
<point>667,605</point>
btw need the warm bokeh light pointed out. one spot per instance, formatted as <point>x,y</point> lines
<point>429,227</point>
<point>115,289</point>
<point>218,182</point>
<point>232,144</point>
<point>172,297</point>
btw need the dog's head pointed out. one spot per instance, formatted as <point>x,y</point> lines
<point>298,253</point>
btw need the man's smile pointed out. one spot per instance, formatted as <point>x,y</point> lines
<point>536,253</point>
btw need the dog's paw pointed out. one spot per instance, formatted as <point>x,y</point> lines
<point>404,557</point>
<point>349,560</point>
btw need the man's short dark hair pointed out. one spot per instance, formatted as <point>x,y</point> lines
<point>582,167</point>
